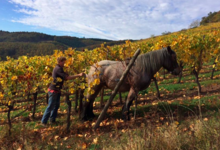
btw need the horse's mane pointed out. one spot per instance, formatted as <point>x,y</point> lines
<point>151,61</point>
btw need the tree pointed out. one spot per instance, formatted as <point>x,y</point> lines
<point>166,33</point>
<point>212,17</point>
<point>194,24</point>
<point>152,36</point>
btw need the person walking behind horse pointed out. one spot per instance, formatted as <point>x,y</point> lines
<point>54,91</point>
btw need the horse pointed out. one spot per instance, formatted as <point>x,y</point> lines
<point>138,79</point>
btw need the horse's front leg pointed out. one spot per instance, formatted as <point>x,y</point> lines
<point>125,109</point>
<point>81,96</point>
<point>86,111</point>
<point>83,111</point>
<point>90,113</point>
<point>91,99</point>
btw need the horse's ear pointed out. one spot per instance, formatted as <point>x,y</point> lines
<point>169,50</point>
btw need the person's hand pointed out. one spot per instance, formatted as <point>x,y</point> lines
<point>82,74</point>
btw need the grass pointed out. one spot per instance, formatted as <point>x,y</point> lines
<point>194,134</point>
<point>186,78</point>
<point>177,87</point>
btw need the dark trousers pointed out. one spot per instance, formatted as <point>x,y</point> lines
<point>53,106</point>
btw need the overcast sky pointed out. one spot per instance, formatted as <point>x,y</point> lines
<point>108,19</point>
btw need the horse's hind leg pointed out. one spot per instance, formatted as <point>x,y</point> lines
<point>125,110</point>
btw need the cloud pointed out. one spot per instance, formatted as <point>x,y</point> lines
<point>113,19</point>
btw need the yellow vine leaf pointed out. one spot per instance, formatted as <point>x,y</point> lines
<point>14,77</point>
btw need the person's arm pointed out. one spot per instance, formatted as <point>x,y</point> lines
<point>74,76</point>
<point>61,73</point>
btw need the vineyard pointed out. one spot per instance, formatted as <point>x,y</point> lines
<point>181,107</point>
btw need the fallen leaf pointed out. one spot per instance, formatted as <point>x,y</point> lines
<point>68,146</point>
<point>110,135</point>
<point>154,103</point>
<point>121,120</point>
<point>205,119</point>
<point>95,141</point>
<point>84,146</point>
<point>79,135</point>
<point>197,97</point>
<point>65,138</point>
<point>19,148</point>
<point>36,130</point>
<point>123,130</point>
<point>185,129</point>
<point>169,102</point>
<point>176,122</point>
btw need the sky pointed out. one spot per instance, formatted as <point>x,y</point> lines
<point>106,19</point>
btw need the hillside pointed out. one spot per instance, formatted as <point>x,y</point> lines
<point>15,44</point>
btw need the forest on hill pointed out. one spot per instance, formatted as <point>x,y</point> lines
<point>15,44</point>
<point>211,18</point>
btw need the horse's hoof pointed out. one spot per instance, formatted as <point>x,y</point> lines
<point>91,115</point>
<point>124,117</point>
<point>128,118</point>
<point>83,119</point>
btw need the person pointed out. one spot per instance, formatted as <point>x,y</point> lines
<point>54,91</point>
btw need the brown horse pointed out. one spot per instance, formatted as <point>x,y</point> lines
<point>139,77</point>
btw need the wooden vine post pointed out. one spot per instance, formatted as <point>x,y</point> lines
<point>102,95</point>
<point>181,73</point>
<point>101,116</point>
<point>35,103</point>
<point>120,97</point>
<point>164,73</point>
<point>213,67</point>
<point>76,100</point>
<point>68,112</point>
<point>156,85</point>
<point>197,81</point>
<point>81,96</point>
<point>10,107</point>
<point>180,76</point>
<point>47,98</point>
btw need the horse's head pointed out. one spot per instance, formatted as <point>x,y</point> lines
<point>171,62</point>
